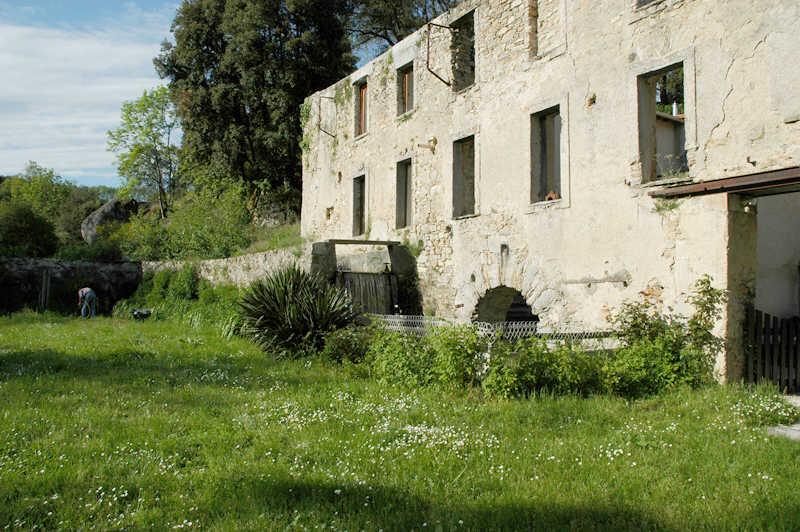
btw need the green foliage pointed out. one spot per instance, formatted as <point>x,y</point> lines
<point>144,143</point>
<point>530,367</point>
<point>239,74</point>
<point>662,350</point>
<point>293,310</point>
<point>179,295</point>
<point>348,345</point>
<point>457,354</point>
<point>273,238</point>
<point>204,224</point>
<point>101,250</point>
<point>383,23</point>
<point>401,360</point>
<point>24,233</point>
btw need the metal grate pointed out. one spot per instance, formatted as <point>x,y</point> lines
<point>422,325</point>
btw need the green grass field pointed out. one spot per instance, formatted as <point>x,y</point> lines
<point>111,424</point>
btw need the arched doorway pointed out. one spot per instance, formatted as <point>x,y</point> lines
<point>503,303</point>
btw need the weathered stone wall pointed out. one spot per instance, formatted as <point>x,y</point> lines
<point>21,282</point>
<point>240,271</point>
<point>605,240</point>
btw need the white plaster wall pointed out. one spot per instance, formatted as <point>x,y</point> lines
<point>606,240</point>
<point>778,281</point>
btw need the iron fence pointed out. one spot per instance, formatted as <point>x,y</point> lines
<point>507,330</point>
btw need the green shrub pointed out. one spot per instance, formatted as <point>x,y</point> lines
<point>293,310</point>
<point>349,344</point>
<point>158,287</point>
<point>183,283</point>
<point>662,350</point>
<point>401,359</point>
<point>457,353</point>
<point>98,251</point>
<point>23,233</point>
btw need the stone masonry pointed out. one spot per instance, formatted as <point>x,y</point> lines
<point>603,239</point>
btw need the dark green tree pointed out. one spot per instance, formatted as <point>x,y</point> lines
<point>25,233</point>
<point>384,23</point>
<point>239,71</point>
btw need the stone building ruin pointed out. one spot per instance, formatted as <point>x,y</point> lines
<point>565,156</point>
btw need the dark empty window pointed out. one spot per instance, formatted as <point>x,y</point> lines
<point>463,51</point>
<point>662,124</point>
<point>464,177</point>
<point>359,205</point>
<point>405,89</point>
<point>361,108</point>
<point>403,215</point>
<point>546,155</point>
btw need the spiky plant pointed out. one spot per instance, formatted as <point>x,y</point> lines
<point>292,310</point>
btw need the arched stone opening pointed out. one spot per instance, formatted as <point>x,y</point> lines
<point>503,303</point>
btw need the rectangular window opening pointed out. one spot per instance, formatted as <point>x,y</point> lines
<point>464,177</point>
<point>359,205</point>
<point>404,201</point>
<point>405,89</point>
<point>463,51</point>
<point>533,26</point>
<point>361,108</point>
<point>546,155</point>
<point>662,124</point>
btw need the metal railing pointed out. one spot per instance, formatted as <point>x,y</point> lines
<point>507,330</point>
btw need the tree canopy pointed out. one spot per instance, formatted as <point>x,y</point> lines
<point>145,146</point>
<point>386,22</point>
<point>239,71</point>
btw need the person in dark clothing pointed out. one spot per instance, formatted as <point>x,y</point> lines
<point>87,300</point>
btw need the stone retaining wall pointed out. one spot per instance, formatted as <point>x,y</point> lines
<point>21,283</point>
<point>240,271</point>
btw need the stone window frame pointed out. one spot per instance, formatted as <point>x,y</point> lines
<point>643,68</point>
<point>410,211</point>
<point>562,102</point>
<point>362,173</point>
<point>461,135</point>
<point>409,66</point>
<point>560,48</point>
<point>455,17</point>
<point>362,81</point>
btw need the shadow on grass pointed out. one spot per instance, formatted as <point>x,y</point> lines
<point>392,509</point>
<point>132,366</point>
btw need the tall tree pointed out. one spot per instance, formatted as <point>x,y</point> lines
<point>383,23</point>
<point>144,142</point>
<point>239,71</point>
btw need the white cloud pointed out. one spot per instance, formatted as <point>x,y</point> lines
<point>61,91</point>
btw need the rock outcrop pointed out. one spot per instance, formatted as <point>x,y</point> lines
<point>116,210</point>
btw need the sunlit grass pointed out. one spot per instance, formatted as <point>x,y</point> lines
<point>111,424</point>
<point>274,238</point>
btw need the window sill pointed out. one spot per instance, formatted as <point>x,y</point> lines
<point>679,180</point>
<point>465,90</point>
<point>361,136</point>
<point>406,116</point>
<point>542,205</point>
<point>466,216</point>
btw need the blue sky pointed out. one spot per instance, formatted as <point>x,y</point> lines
<point>67,66</point>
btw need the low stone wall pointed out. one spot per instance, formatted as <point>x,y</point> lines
<point>240,271</point>
<point>21,283</point>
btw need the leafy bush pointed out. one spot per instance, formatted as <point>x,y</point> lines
<point>349,344</point>
<point>183,283</point>
<point>662,350</point>
<point>293,310</point>
<point>457,353</point>
<point>401,359</point>
<point>98,251</point>
<point>23,233</point>
<point>178,295</point>
<point>529,367</point>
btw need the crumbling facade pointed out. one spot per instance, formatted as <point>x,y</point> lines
<point>519,143</point>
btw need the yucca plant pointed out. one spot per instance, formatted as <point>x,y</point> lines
<point>292,310</point>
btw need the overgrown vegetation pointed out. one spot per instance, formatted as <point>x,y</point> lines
<point>290,311</point>
<point>182,297</point>
<point>112,424</point>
